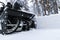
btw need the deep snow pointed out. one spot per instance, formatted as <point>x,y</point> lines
<point>49,22</point>
<point>38,34</point>
<point>48,28</point>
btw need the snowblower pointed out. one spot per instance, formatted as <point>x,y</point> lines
<point>12,19</point>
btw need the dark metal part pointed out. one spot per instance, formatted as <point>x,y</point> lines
<point>14,20</point>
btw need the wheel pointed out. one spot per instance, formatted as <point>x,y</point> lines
<point>25,26</point>
<point>10,28</point>
<point>20,26</point>
<point>11,24</point>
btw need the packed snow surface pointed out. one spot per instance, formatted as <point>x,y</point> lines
<point>36,34</point>
<point>48,28</point>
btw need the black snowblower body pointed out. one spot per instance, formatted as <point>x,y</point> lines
<point>13,20</point>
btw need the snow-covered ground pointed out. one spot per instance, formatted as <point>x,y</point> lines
<point>48,29</point>
<point>49,22</point>
<point>36,34</point>
<point>52,21</point>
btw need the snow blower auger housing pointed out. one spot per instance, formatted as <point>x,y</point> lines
<point>15,21</point>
